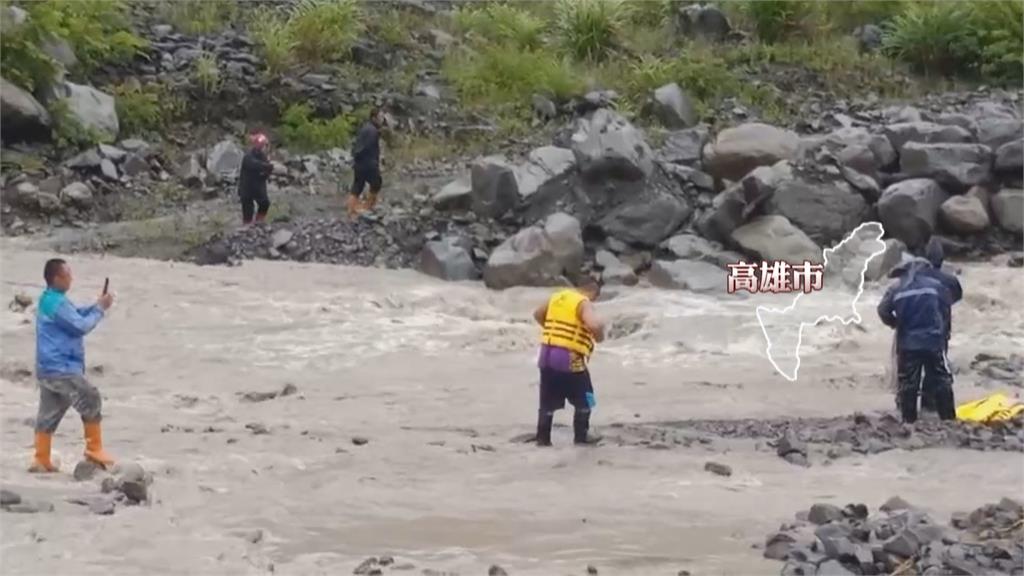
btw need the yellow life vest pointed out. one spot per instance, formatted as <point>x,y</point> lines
<point>562,326</point>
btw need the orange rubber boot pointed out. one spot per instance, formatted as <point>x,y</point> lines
<point>94,445</point>
<point>371,201</point>
<point>41,461</point>
<point>353,205</point>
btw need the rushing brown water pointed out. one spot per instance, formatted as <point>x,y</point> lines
<point>439,378</point>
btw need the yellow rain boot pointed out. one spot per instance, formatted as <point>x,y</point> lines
<point>94,445</point>
<point>41,461</point>
<point>371,201</point>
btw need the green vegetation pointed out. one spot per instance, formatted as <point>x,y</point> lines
<point>97,31</point>
<point>310,32</point>
<point>142,109</point>
<point>590,29</point>
<point>961,38</point>
<point>496,76</point>
<point>199,17</point>
<point>300,132</point>
<point>503,24</point>
<point>207,75</point>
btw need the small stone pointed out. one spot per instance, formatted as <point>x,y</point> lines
<point>797,459</point>
<point>20,302</point>
<point>29,507</point>
<point>496,570</point>
<point>256,428</point>
<point>288,390</point>
<point>789,443</point>
<point>716,468</point>
<point>86,470</point>
<point>824,513</point>
<point>591,570</point>
<point>281,238</point>
<point>8,498</point>
<point>102,506</point>
<point>360,441</point>
<point>833,568</point>
<point>366,566</point>
<point>894,504</point>
<point>903,544</point>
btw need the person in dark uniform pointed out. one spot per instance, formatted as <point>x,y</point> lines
<point>252,180</point>
<point>918,308</point>
<point>935,255</point>
<point>366,163</point>
<point>571,329</point>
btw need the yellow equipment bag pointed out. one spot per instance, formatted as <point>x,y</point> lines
<point>993,408</point>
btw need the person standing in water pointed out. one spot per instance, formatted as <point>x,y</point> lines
<point>570,330</point>
<point>60,366</point>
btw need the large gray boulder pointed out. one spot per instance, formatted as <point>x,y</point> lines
<point>702,21</point>
<point>1010,159</point>
<point>225,160</point>
<point>693,247</point>
<point>925,133</point>
<point>825,212</point>
<point>908,210</point>
<point>964,215</point>
<point>1008,207</point>
<point>495,189</point>
<point>880,266</point>
<point>645,222</point>
<point>957,167</point>
<point>773,237</point>
<point>684,146</point>
<point>456,195</point>
<point>543,165</point>
<point>24,118</point>
<point>608,146</point>
<point>537,256</point>
<point>739,150</point>
<point>77,193</point>
<point>693,275</point>
<point>448,259</point>
<point>91,108</point>
<point>673,107</point>
<point>738,203</point>
<point>997,124</point>
<point>613,270</point>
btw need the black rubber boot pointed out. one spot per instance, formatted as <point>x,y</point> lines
<point>945,404</point>
<point>581,429</point>
<point>544,422</point>
<point>908,406</point>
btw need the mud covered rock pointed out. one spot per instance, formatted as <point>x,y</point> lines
<point>737,151</point>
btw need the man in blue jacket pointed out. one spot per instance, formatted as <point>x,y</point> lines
<point>918,307</point>
<point>60,366</point>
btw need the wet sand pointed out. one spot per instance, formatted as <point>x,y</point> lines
<point>439,378</point>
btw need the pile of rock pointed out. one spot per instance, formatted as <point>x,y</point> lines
<point>759,191</point>
<point>900,539</point>
<point>402,238</point>
<point>807,440</point>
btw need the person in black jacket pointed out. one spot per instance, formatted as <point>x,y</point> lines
<point>252,180</point>
<point>366,163</point>
<point>934,253</point>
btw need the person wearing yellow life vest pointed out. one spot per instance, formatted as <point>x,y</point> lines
<point>570,330</point>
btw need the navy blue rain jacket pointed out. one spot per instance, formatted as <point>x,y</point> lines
<point>919,306</point>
